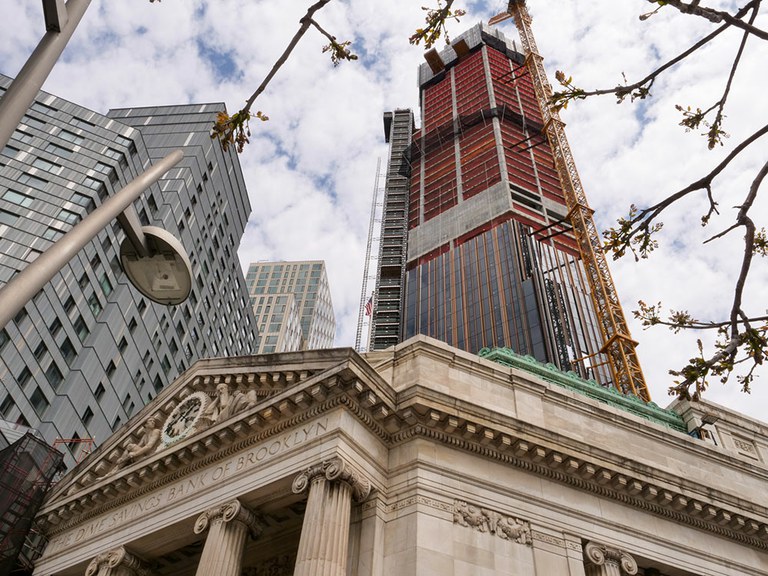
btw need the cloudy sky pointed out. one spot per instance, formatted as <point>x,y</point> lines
<point>311,169</point>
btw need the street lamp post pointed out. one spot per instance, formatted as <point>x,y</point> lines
<point>60,21</point>
<point>155,262</point>
<point>23,287</point>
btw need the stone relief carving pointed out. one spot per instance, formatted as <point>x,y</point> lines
<point>232,511</point>
<point>277,566</point>
<point>600,554</point>
<point>118,557</point>
<point>483,520</point>
<point>148,443</point>
<point>227,403</point>
<point>745,447</point>
<point>334,470</point>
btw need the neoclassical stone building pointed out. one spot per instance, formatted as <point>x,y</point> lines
<point>417,460</point>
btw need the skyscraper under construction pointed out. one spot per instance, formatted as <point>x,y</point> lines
<point>476,245</point>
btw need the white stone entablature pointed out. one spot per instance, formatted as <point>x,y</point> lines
<point>471,468</point>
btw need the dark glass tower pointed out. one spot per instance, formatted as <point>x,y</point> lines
<point>488,256</point>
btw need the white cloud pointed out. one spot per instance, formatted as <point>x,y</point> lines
<point>310,170</point>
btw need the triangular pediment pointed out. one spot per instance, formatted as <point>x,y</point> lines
<point>210,408</point>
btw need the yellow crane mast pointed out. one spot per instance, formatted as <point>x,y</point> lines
<point>618,345</point>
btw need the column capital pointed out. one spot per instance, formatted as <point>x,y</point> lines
<point>600,554</point>
<point>118,558</point>
<point>232,511</point>
<point>334,470</point>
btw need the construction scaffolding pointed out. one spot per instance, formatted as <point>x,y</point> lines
<point>390,277</point>
<point>27,468</point>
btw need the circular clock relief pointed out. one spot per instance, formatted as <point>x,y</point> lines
<point>181,422</point>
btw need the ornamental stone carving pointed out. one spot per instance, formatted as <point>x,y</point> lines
<point>148,443</point>
<point>483,520</point>
<point>228,528</point>
<point>602,560</point>
<point>332,485</point>
<point>227,403</point>
<point>117,562</point>
<point>277,566</point>
<point>232,511</point>
<point>334,470</point>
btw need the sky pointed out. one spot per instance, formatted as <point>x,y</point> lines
<point>311,169</point>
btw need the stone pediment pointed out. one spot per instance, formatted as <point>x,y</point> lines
<point>217,407</point>
<point>430,398</point>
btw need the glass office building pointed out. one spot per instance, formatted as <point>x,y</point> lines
<point>292,304</point>
<point>89,351</point>
<point>486,256</point>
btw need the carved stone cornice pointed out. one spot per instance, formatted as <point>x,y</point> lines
<point>118,558</point>
<point>600,555</point>
<point>334,470</point>
<point>232,511</point>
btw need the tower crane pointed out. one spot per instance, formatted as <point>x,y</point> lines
<point>618,345</point>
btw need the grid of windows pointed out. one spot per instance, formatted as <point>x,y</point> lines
<point>58,138</point>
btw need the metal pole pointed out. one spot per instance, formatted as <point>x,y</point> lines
<point>15,295</point>
<point>22,91</point>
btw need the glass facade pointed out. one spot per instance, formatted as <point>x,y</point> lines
<point>292,305</point>
<point>89,348</point>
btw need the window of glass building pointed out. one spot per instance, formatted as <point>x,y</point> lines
<point>6,407</point>
<point>81,329</point>
<point>53,375</point>
<point>106,285</point>
<point>52,234</point>
<point>58,150</point>
<point>67,350</point>
<point>33,181</point>
<point>7,218</point>
<point>47,165</point>
<point>84,201</point>
<point>33,122</point>
<point>40,351</point>
<point>21,315</point>
<point>9,151</point>
<point>53,327</point>
<point>39,401</point>
<point>22,136</point>
<point>71,137</point>
<point>99,392</point>
<point>87,416</point>
<point>68,217</point>
<point>18,198</point>
<point>94,304</point>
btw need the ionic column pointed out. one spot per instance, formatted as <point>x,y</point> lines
<point>602,560</point>
<point>228,527</point>
<point>117,562</point>
<point>324,538</point>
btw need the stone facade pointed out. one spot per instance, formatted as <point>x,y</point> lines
<point>417,460</point>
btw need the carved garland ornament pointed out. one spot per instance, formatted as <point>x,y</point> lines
<point>334,470</point>
<point>483,520</point>
<point>118,557</point>
<point>229,512</point>
<point>600,554</point>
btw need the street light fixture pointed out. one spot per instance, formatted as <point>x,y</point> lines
<point>154,261</point>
